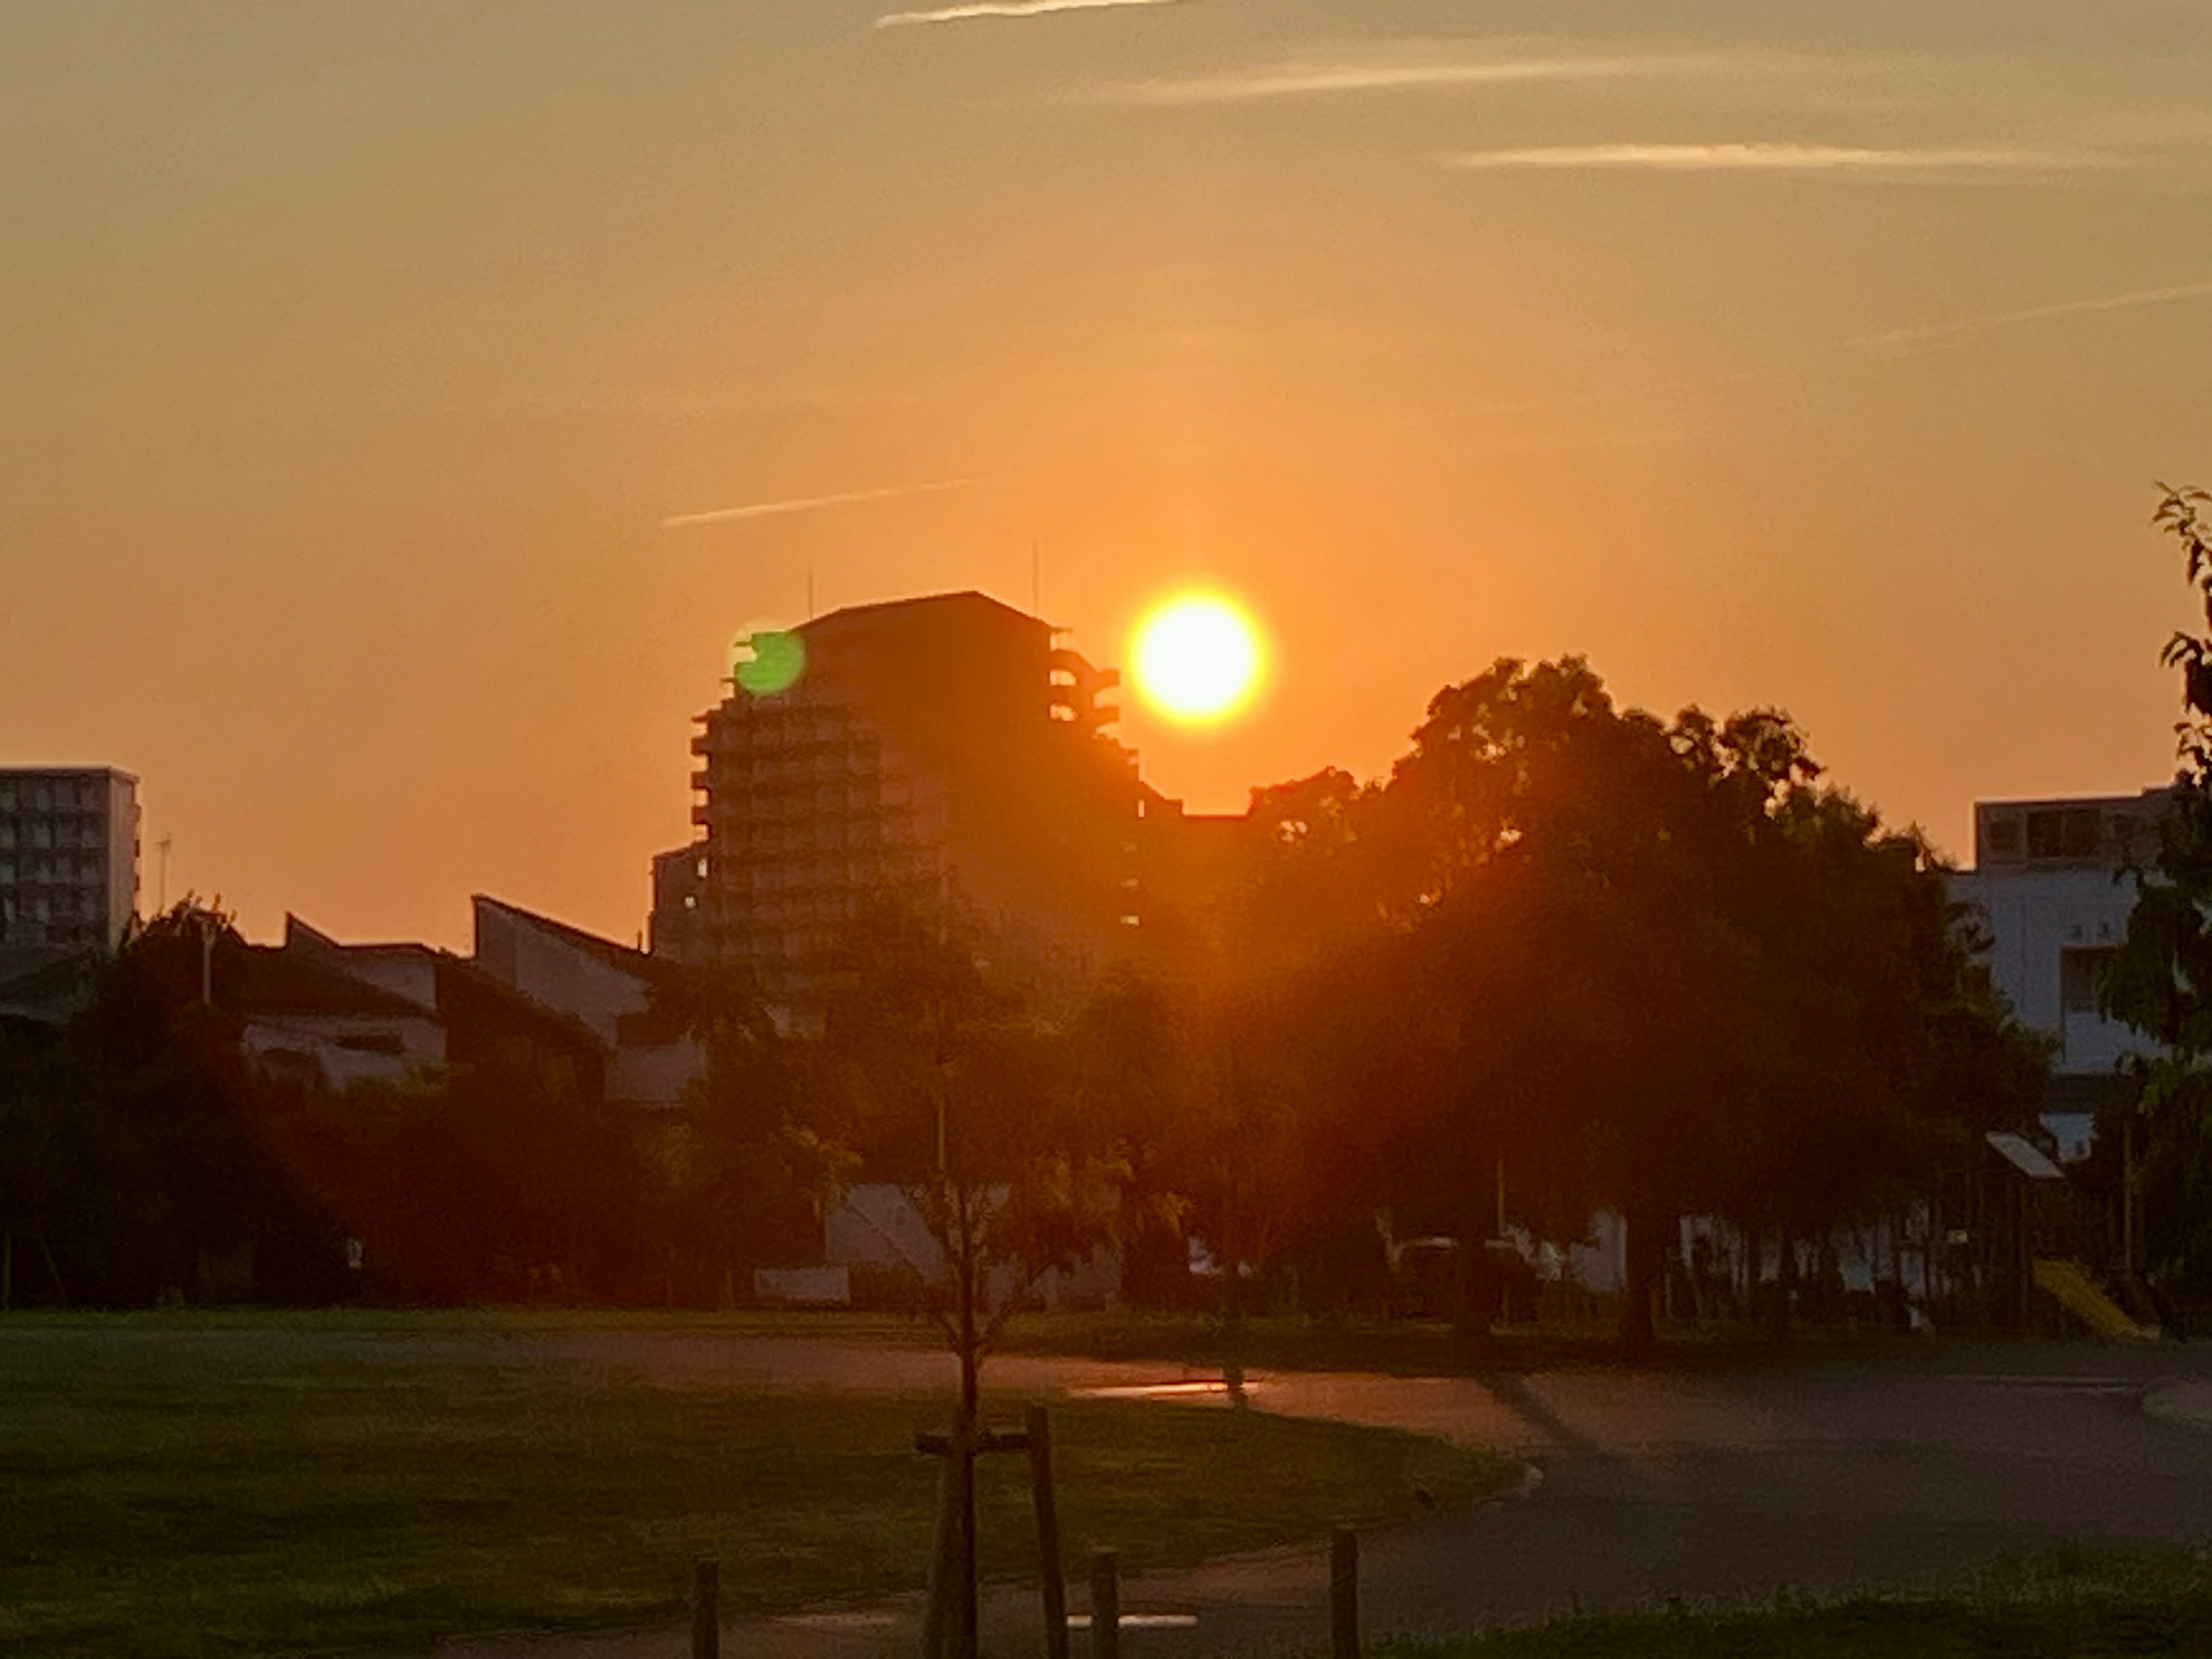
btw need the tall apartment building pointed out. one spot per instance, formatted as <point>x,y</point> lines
<point>939,748</point>
<point>68,857</point>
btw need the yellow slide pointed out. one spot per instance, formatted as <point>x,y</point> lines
<point>2070,1283</point>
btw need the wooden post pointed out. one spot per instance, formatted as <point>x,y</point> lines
<point>1344,1594</point>
<point>961,1458</point>
<point>943,1570</point>
<point>1051,1586</point>
<point>706,1611</point>
<point>1105,1606</point>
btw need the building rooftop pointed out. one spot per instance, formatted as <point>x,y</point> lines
<point>968,602</point>
<point>2083,832</point>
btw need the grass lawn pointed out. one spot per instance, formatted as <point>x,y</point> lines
<point>248,1484</point>
<point>2069,1605</point>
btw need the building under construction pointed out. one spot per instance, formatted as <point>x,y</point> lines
<point>938,751</point>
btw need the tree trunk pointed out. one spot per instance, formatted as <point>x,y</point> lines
<point>1232,1303</point>
<point>1475,1303</point>
<point>1646,1261</point>
<point>1785,1285</point>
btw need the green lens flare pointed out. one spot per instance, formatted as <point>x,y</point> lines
<point>775,663</point>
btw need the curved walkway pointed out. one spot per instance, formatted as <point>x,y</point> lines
<point>1652,1486</point>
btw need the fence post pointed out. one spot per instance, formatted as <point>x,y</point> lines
<point>706,1610</point>
<point>1344,1594</point>
<point>1053,1587</point>
<point>1105,1606</point>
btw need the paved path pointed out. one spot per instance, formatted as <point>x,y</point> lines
<point>1650,1486</point>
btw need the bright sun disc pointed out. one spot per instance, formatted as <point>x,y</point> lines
<point>1197,658</point>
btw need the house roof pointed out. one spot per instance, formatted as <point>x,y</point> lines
<point>43,987</point>
<point>622,956</point>
<point>454,973</point>
<point>459,973</point>
<point>268,979</point>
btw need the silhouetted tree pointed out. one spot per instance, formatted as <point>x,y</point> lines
<point>764,1151</point>
<point>129,1150</point>
<point>972,1109</point>
<point>1654,967</point>
<point>2161,980</point>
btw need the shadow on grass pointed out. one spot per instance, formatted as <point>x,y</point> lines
<point>2061,1605</point>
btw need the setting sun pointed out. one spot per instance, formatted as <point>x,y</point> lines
<point>1197,658</point>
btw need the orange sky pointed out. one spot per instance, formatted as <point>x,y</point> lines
<point>1817,354</point>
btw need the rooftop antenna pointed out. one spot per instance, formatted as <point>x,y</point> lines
<point>162,888</point>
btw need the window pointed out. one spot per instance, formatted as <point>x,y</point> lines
<point>2064,833</point>
<point>2081,974</point>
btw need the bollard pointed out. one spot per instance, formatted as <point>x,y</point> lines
<point>1344,1594</point>
<point>1052,1588</point>
<point>706,1610</point>
<point>1105,1607</point>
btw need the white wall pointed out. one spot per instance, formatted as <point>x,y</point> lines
<point>2033,916</point>
<point>877,1225</point>
<point>321,1039</point>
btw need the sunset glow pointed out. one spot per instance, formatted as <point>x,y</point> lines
<point>578,342</point>
<point>1197,658</point>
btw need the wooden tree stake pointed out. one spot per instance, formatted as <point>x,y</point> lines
<point>1052,1587</point>
<point>1344,1594</point>
<point>706,1610</point>
<point>1105,1606</point>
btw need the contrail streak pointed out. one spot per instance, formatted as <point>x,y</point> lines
<point>1960,328</point>
<point>1316,79</point>
<point>975,8</point>
<point>810,504</point>
<point>1765,158</point>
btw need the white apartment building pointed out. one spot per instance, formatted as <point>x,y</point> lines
<point>2051,880</point>
<point>68,857</point>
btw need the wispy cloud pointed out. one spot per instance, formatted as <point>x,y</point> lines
<point>1804,160</point>
<point>1963,328</point>
<point>1406,71</point>
<point>811,503</point>
<point>980,9</point>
